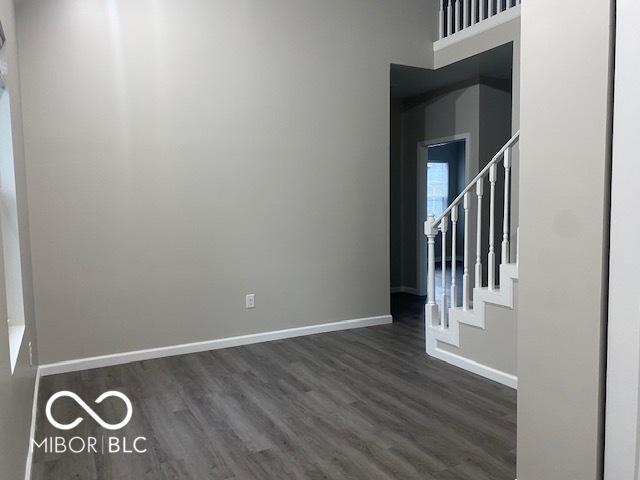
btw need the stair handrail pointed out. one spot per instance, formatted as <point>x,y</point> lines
<point>473,182</point>
<point>433,227</point>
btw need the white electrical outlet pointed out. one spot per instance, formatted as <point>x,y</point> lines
<point>250,301</point>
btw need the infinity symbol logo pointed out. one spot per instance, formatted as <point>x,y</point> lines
<point>89,410</point>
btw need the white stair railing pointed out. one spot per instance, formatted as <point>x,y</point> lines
<point>456,15</point>
<point>433,226</point>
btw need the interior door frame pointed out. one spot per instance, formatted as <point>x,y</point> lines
<point>421,214</point>
<point>622,416</point>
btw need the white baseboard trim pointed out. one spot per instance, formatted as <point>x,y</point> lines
<point>32,429</point>
<point>168,351</point>
<point>474,367</point>
<point>411,290</point>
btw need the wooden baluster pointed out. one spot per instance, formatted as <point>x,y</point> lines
<point>441,20</point>
<point>491,263</point>
<point>474,11</point>
<point>483,9</point>
<point>444,224</point>
<point>479,191</point>
<point>492,7</point>
<point>465,272</point>
<point>458,19</point>
<point>450,29</point>
<point>505,219</point>
<point>454,225</point>
<point>431,263</point>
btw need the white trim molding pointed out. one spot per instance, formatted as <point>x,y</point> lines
<point>622,417</point>
<point>32,429</point>
<point>168,351</point>
<point>472,366</point>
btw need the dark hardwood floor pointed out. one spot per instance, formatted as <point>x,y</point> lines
<point>359,404</point>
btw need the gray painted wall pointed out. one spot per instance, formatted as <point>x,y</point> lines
<point>563,231</point>
<point>16,390</point>
<point>395,174</point>
<point>183,154</point>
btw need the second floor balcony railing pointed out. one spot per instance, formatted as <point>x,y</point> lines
<point>457,15</point>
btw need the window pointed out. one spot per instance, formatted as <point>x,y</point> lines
<point>9,236</point>
<point>437,187</point>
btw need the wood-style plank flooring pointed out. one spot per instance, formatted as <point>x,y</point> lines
<point>359,404</point>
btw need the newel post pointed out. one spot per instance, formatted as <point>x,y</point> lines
<point>430,232</point>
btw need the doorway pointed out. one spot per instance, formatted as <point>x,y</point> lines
<point>442,173</point>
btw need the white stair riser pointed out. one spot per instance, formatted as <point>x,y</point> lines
<point>475,317</point>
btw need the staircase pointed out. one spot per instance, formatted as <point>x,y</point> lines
<point>444,316</point>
